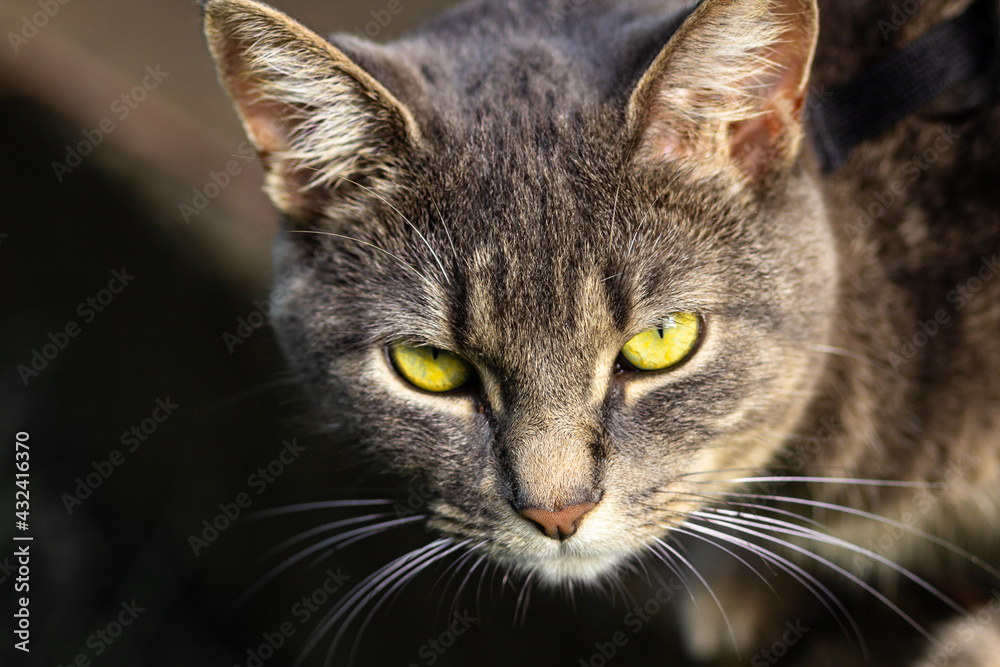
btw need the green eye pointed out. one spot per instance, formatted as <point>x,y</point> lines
<point>430,368</point>
<point>666,345</point>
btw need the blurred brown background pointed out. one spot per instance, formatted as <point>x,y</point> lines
<point>88,53</point>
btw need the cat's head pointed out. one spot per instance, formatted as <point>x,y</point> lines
<point>567,283</point>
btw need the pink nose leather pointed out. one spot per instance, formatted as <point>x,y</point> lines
<point>557,525</point>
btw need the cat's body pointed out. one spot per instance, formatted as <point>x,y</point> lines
<point>532,185</point>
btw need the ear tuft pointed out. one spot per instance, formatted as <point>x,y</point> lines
<point>728,89</point>
<point>316,118</point>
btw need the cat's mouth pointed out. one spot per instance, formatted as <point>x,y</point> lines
<point>597,549</point>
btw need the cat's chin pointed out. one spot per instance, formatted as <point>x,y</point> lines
<point>566,566</point>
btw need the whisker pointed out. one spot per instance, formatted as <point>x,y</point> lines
<point>954,548</point>
<point>711,592</point>
<point>668,561</point>
<point>316,530</point>
<point>712,497</point>
<point>385,201</point>
<point>360,533</point>
<point>482,580</point>
<point>457,567</point>
<point>645,570</point>
<point>523,596</point>
<point>840,352</point>
<point>365,243</point>
<point>444,225</point>
<point>627,598</point>
<point>678,529</point>
<point>811,583</point>
<point>249,392</point>
<point>716,471</point>
<point>465,580</point>
<point>833,566</point>
<point>397,587</point>
<point>849,481</point>
<point>381,575</point>
<point>506,578</point>
<point>787,528</point>
<point>322,505</point>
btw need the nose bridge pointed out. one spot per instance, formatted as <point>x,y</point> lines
<point>550,425</point>
<point>554,465</point>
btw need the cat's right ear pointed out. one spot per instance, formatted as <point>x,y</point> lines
<point>317,119</point>
<point>726,93</point>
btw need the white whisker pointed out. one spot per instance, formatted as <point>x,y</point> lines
<point>403,262</point>
<point>678,529</point>
<point>711,592</point>
<point>787,528</point>
<point>833,566</point>
<point>385,201</point>
<point>954,548</point>
<point>811,583</point>
<point>357,533</point>
<point>323,505</point>
<point>380,576</point>
<point>848,481</point>
<point>316,530</point>
<point>396,588</point>
<point>667,560</point>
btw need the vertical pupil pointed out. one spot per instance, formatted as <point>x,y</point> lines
<point>434,353</point>
<point>660,331</point>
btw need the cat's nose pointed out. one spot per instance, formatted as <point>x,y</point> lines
<point>559,524</point>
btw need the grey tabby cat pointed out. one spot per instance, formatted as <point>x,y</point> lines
<point>572,264</point>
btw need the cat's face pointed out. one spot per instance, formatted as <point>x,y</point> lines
<point>530,245</point>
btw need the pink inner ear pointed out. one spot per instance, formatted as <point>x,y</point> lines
<point>763,138</point>
<point>268,133</point>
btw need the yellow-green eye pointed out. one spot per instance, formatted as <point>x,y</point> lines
<point>665,346</point>
<point>430,368</point>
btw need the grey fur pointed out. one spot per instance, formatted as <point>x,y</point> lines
<point>524,226</point>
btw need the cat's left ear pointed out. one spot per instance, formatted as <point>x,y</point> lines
<point>318,120</point>
<point>727,91</point>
